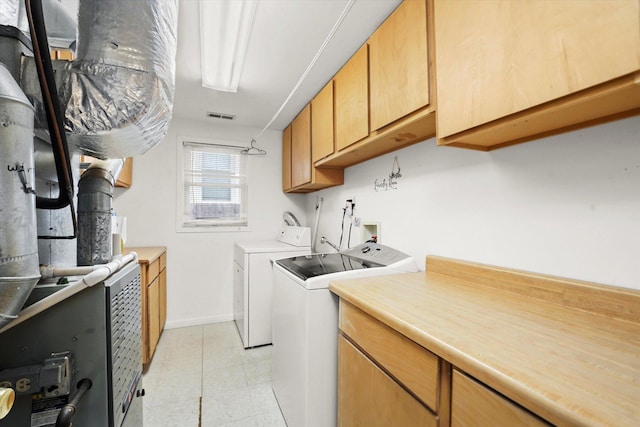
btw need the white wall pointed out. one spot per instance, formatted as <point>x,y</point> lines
<point>567,205</point>
<point>199,265</point>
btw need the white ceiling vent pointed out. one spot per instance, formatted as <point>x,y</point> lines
<point>221,116</point>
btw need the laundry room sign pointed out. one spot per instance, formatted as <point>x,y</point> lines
<point>391,182</point>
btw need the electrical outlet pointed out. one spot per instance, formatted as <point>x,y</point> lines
<point>23,384</point>
<point>5,384</point>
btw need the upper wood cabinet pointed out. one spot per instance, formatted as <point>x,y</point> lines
<point>401,102</point>
<point>508,72</point>
<point>286,159</point>
<point>301,148</point>
<point>351,91</point>
<point>322,129</point>
<point>125,177</point>
<point>302,175</point>
<point>399,64</point>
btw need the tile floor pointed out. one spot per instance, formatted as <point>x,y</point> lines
<point>201,376</point>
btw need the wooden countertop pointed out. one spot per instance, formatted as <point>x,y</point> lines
<point>147,254</point>
<point>568,351</point>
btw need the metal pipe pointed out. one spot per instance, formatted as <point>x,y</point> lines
<point>19,271</point>
<point>324,240</point>
<point>95,191</point>
<point>67,412</point>
<point>53,110</point>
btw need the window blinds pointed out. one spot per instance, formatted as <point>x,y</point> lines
<point>215,185</point>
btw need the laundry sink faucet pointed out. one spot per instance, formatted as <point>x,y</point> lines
<point>324,240</point>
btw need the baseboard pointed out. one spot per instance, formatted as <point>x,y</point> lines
<point>173,324</point>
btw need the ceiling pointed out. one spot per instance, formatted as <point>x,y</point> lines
<point>285,37</point>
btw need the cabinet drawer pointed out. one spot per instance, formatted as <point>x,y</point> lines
<point>474,404</point>
<point>369,397</point>
<point>153,270</point>
<point>412,365</point>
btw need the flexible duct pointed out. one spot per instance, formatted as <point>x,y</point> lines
<point>118,93</point>
<point>19,271</point>
<point>95,191</point>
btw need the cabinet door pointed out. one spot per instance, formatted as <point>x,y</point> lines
<point>498,58</point>
<point>153,315</point>
<point>162,277</point>
<point>351,92</point>
<point>322,143</point>
<point>369,397</point>
<point>399,64</point>
<point>125,177</point>
<point>301,148</point>
<point>286,159</point>
<point>473,404</point>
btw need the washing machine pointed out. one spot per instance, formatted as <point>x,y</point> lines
<point>253,280</point>
<point>305,327</point>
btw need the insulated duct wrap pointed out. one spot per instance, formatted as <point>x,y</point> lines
<point>19,270</point>
<point>118,93</point>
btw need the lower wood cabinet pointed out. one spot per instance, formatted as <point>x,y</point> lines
<point>474,404</point>
<point>153,278</point>
<point>386,379</point>
<point>367,396</point>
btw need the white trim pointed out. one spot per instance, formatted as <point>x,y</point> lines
<point>198,321</point>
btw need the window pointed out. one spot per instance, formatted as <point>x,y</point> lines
<point>213,186</point>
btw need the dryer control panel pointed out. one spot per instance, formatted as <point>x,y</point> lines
<point>296,236</point>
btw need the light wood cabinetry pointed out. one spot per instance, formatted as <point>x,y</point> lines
<point>153,277</point>
<point>125,178</point>
<point>412,365</point>
<point>351,91</point>
<point>367,396</point>
<point>382,96</point>
<point>301,148</point>
<point>474,404</point>
<point>322,124</point>
<point>286,159</point>
<point>399,64</point>
<point>508,72</point>
<point>515,348</point>
<point>304,176</point>
<point>401,103</point>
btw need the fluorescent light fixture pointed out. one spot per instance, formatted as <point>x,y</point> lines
<point>225,26</point>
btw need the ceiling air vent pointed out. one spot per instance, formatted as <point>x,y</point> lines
<point>221,116</point>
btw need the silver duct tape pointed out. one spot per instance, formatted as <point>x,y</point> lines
<point>118,94</point>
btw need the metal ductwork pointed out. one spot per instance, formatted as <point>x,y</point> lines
<point>95,191</point>
<point>117,95</point>
<point>19,270</point>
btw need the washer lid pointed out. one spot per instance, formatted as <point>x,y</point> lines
<point>307,266</point>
